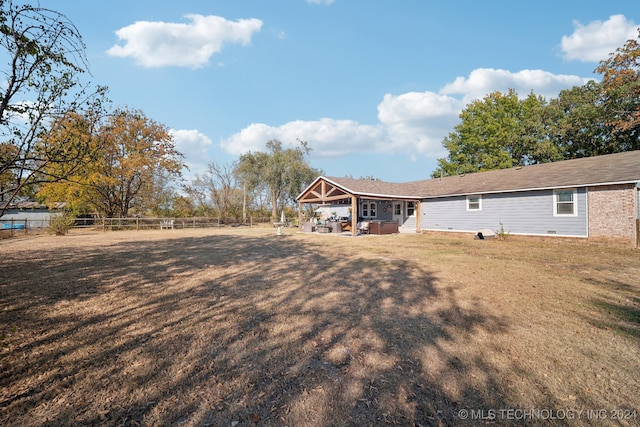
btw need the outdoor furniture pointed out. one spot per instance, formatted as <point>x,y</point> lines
<point>308,227</point>
<point>383,227</point>
<point>336,227</point>
<point>323,229</point>
<point>363,227</point>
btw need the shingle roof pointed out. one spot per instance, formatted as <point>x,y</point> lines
<point>30,205</point>
<point>377,188</point>
<point>606,169</point>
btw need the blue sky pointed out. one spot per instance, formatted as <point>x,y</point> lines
<point>372,85</point>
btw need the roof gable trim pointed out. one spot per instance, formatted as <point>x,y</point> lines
<point>520,190</point>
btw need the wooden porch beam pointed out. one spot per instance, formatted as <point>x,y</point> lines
<point>324,199</point>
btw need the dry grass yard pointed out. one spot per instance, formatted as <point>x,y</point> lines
<point>241,327</point>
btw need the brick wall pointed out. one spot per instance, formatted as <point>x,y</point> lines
<point>613,211</point>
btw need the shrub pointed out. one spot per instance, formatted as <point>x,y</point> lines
<point>61,224</point>
<point>502,235</point>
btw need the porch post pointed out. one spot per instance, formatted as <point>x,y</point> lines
<point>354,216</point>
<point>417,210</point>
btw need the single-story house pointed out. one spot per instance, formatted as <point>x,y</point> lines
<point>28,214</point>
<point>593,197</point>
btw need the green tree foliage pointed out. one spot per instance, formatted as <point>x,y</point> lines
<point>134,156</point>
<point>282,172</point>
<point>580,127</point>
<point>499,131</point>
<point>44,56</point>
<point>183,207</point>
<point>537,144</point>
<point>621,83</point>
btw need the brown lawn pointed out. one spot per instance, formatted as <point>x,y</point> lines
<point>241,327</point>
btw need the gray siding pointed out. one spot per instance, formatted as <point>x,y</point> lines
<point>36,218</point>
<point>410,223</point>
<point>383,213</point>
<point>529,212</point>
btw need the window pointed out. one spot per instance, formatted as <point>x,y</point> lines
<point>369,209</point>
<point>474,203</point>
<point>411,208</point>
<point>564,202</point>
<point>397,209</point>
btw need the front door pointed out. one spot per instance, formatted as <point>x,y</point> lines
<point>398,212</point>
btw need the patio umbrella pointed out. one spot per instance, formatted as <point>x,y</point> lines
<point>282,216</point>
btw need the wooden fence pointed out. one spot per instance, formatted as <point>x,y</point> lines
<point>16,226</point>
<point>13,226</point>
<point>146,223</point>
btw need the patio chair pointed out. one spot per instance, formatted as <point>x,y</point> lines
<point>363,227</point>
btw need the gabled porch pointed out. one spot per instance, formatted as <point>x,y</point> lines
<point>364,202</point>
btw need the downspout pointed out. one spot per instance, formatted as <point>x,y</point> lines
<point>586,208</point>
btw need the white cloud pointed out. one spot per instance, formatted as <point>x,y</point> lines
<point>483,81</point>
<point>161,44</point>
<point>416,122</point>
<point>194,145</point>
<point>326,137</point>
<point>413,123</point>
<point>595,41</point>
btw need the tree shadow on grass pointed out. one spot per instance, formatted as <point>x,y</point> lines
<point>617,306</point>
<point>239,330</point>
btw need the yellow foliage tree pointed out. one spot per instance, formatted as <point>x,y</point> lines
<point>131,153</point>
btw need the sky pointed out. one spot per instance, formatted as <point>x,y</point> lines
<point>373,86</point>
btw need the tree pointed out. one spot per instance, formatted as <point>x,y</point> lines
<point>8,152</point>
<point>621,83</point>
<point>183,207</point>
<point>135,155</point>
<point>218,190</point>
<point>580,127</point>
<point>284,172</point>
<point>79,135</point>
<point>499,131</point>
<point>45,56</point>
<point>537,143</point>
<point>163,197</point>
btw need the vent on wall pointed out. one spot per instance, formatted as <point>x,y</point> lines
<point>551,231</point>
